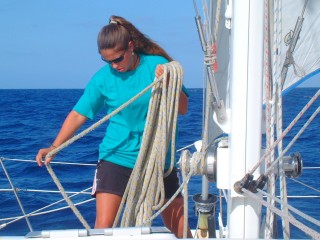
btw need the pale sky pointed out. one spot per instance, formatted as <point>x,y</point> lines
<point>52,43</point>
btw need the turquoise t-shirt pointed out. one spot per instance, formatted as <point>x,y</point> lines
<point>110,89</point>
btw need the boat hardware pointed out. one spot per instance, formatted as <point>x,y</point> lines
<point>243,183</point>
<point>258,184</point>
<point>211,165</point>
<point>205,210</point>
<point>292,165</point>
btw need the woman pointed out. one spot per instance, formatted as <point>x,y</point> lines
<point>133,62</point>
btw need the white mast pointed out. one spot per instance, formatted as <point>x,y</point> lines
<point>246,106</point>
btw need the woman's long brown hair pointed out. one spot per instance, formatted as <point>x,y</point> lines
<point>119,32</point>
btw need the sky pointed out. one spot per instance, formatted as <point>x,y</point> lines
<point>52,43</point>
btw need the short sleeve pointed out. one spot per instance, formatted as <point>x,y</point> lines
<point>91,102</point>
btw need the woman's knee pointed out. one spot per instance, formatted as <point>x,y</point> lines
<point>107,206</point>
<point>103,222</point>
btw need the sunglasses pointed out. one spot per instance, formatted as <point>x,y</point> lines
<point>116,60</point>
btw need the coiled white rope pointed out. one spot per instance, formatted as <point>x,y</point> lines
<point>145,190</point>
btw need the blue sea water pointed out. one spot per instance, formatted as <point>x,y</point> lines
<point>30,119</point>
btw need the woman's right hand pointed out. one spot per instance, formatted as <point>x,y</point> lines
<point>71,124</point>
<point>42,154</point>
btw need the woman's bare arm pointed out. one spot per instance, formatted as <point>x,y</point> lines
<point>71,124</point>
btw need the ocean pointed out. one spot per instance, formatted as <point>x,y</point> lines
<point>30,120</point>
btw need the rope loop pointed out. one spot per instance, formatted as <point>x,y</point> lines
<point>145,190</point>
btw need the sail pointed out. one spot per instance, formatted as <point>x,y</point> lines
<point>216,37</point>
<point>304,61</point>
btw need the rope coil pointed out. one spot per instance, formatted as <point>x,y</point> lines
<point>145,190</point>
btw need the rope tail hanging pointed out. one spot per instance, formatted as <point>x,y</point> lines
<point>145,190</point>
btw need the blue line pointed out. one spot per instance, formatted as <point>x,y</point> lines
<point>305,78</point>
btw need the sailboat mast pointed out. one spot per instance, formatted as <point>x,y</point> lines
<point>246,104</point>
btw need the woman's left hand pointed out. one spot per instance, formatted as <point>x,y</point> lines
<point>159,70</point>
<point>183,101</point>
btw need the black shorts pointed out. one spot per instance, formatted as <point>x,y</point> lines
<point>113,178</point>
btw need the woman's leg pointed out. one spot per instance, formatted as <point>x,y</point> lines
<point>173,217</point>
<point>107,206</point>
<point>109,185</point>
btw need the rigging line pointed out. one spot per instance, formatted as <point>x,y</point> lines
<point>306,185</point>
<point>72,163</point>
<point>291,219</point>
<point>40,191</point>
<point>304,7</point>
<point>209,24</point>
<point>310,168</point>
<point>304,196</point>
<point>206,49</point>
<point>204,96</point>
<point>267,93</point>
<point>205,136</point>
<point>279,126</point>
<point>66,198</point>
<point>185,182</point>
<point>183,148</point>
<point>293,140</point>
<point>289,54</point>
<point>298,212</point>
<point>275,78</point>
<point>63,208</point>
<point>217,21</point>
<point>55,203</point>
<point>17,197</point>
<point>53,162</point>
<point>284,133</point>
<point>195,7</point>
<point>38,213</point>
